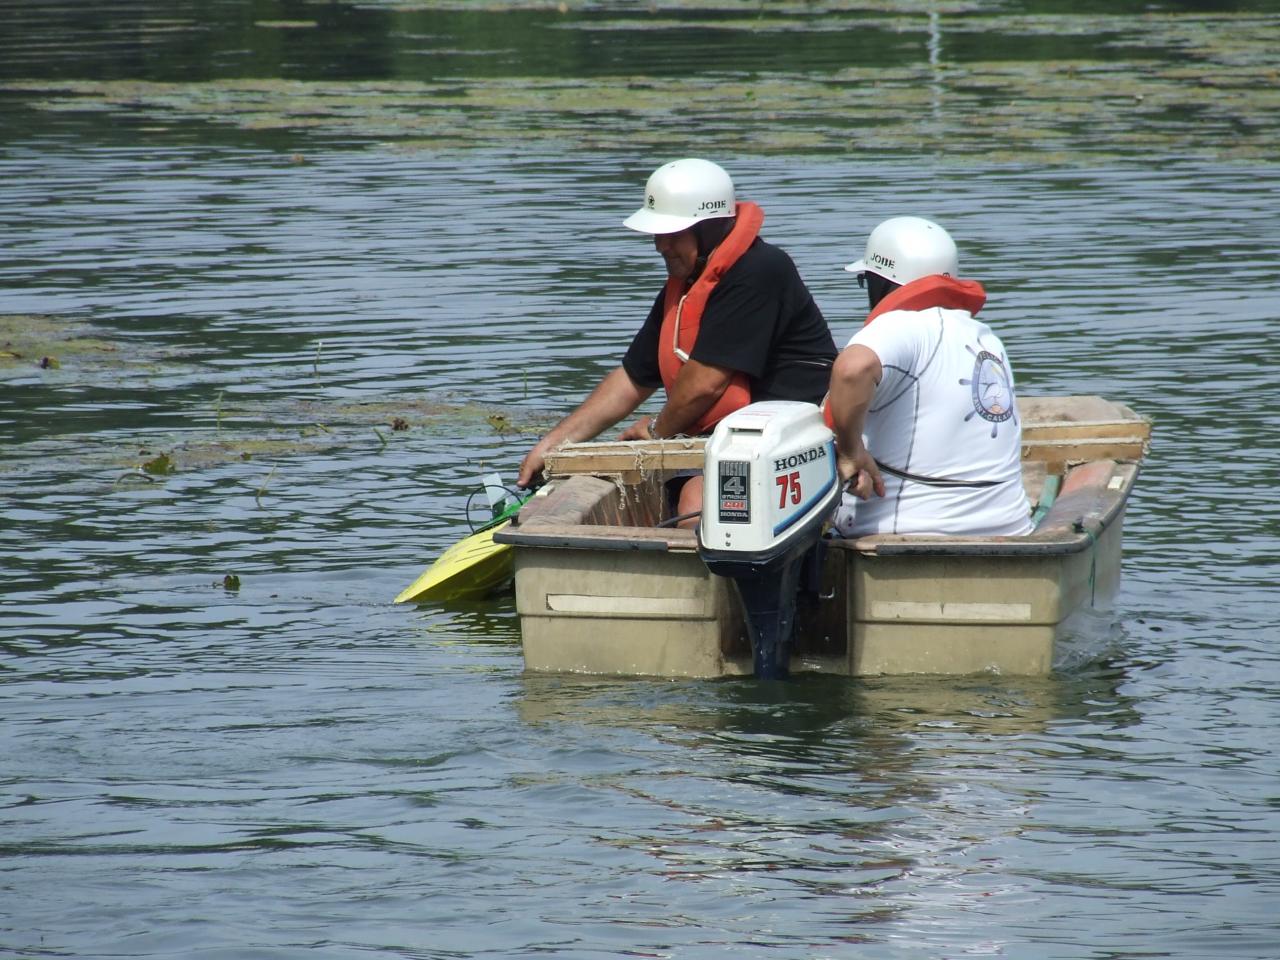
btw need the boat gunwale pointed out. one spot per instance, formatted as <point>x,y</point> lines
<point>1074,522</point>
<point>569,536</point>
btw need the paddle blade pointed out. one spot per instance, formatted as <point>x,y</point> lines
<point>472,568</point>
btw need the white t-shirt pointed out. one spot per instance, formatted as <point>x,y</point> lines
<point>944,409</point>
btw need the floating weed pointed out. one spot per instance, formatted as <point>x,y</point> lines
<point>286,24</point>
<point>30,342</point>
<point>655,7</point>
<point>46,340</point>
<point>324,425</point>
<point>1131,95</point>
<point>263,489</point>
<point>133,476</point>
<point>159,466</point>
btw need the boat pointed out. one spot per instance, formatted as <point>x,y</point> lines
<point>604,584</point>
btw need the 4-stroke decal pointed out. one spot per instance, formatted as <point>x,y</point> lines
<point>734,491</point>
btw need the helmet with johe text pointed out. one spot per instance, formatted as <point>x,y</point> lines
<point>682,193</point>
<point>903,249</point>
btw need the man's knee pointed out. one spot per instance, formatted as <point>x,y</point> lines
<point>690,501</point>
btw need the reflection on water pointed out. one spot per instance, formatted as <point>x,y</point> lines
<point>297,766</point>
<point>887,802</point>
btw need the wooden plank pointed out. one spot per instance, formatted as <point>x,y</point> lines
<point>668,445</point>
<point>1084,430</point>
<point>1078,451</point>
<point>584,536</point>
<point>1055,430</point>
<point>635,457</point>
<point>633,465</point>
<point>1073,409</point>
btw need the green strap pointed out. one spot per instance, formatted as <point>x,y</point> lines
<point>1052,484</point>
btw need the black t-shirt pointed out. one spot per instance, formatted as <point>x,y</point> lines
<point>761,320</point>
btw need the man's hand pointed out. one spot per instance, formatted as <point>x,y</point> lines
<point>642,429</point>
<point>860,473</point>
<point>532,464</point>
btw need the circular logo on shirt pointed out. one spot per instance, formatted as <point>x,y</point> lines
<point>991,389</point>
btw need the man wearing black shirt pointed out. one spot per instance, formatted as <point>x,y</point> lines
<point>760,320</point>
<point>756,335</point>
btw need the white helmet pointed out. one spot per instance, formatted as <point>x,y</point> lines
<point>681,193</point>
<point>907,248</point>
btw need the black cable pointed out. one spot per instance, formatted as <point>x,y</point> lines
<point>936,481</point>
<point>513,491</point>
<point>672,521</point>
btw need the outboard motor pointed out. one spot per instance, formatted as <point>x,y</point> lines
<point>771,485</point>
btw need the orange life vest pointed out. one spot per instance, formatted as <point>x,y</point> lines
<point>932,291</point>
<point>682,316</point>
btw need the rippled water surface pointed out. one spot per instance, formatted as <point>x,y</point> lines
<point>294,766</point>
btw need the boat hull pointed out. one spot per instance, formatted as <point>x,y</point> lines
<point>956,614</point>
<point>627,614</point>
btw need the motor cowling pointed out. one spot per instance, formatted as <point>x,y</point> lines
<point>770,488</point>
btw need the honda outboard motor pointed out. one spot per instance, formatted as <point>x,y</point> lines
<point>771,485</point>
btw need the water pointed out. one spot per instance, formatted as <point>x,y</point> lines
<point>299,767</point>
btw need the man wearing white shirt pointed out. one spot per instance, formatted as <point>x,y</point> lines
<point>922,398</point>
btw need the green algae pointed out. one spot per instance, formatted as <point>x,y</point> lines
<point>269,436</point>
<point>1201,87</point>
<point>39,341</point>
<point>952,79</point>
<point>760,8</point>
<point>158,466</point>
<point>272,429</point>
<point>286,24</point>
<point>71,351</point>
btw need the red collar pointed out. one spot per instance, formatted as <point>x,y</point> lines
<point>933,291</point>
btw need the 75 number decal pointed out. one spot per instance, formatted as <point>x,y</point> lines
<point>788,486</point>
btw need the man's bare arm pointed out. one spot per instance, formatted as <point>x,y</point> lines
<point>854,378</point>
<point>615,397</point>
